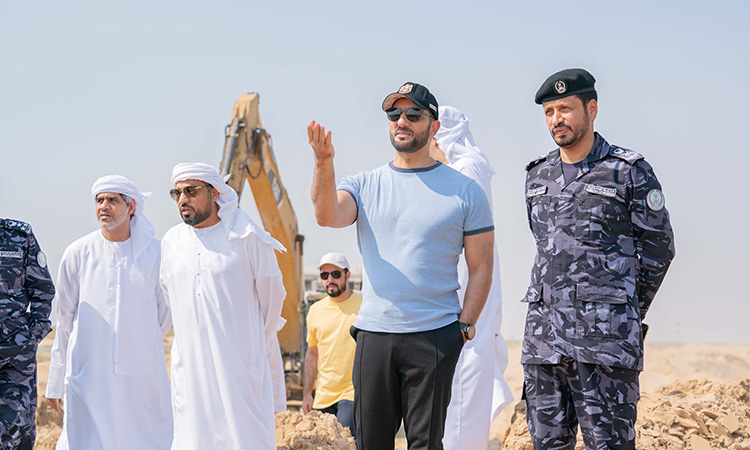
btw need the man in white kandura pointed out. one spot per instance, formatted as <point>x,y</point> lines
<point>483,359</point>
<point>220,274</point>
<point>111,319</point>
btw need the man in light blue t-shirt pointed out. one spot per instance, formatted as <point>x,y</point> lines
<point>414,218</point>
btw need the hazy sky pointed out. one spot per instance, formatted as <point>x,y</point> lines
<point>90,88</point>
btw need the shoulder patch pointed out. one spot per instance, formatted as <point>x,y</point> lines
<point>16,225</point>
<point>625,154</point>
<point>535,162</point>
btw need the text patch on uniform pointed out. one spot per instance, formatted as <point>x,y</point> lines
<point>598,190</point>
<point>536,191</point>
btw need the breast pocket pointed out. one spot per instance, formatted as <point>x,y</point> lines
<point>602,220</point>
<point>539,206</point>
<point>602,310</point>
<point>12,271</point>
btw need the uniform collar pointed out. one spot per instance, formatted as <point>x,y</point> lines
<point>599,150</point>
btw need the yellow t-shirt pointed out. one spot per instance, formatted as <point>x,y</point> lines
<point>328,326</point>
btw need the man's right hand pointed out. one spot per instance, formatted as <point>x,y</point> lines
<point>55,403</point>
<point>320,140</point>
<point>307,402</point>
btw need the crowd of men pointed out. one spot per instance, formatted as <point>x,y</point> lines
<point>421,345</point>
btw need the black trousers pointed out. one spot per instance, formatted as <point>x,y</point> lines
<point>403,376</point>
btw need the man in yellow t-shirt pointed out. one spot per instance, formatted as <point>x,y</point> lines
<point>330,347</point>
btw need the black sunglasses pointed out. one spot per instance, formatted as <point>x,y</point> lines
<point>336,274</point>
<point>189,191</point>
<point>412,114</point>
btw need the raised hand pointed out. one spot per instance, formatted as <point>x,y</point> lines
<point>320,140</point>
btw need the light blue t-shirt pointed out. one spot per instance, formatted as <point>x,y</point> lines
<point>411,225</point>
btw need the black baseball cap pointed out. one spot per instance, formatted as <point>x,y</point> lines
<point>415,93</point>
<point>565,83</point>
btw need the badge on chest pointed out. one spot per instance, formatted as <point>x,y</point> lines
<point>599,190</point>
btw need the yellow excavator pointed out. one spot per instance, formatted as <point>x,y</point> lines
<point>248,156</point>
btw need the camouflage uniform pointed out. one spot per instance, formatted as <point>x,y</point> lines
<point>604,243</point>
<point>26,292</point>
<point>603,398</point>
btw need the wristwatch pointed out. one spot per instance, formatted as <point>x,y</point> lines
<point>468,330</point>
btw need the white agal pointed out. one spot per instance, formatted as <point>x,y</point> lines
<point>226,295</point>
<point>108,352</point>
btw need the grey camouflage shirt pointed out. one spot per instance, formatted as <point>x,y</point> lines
<point>26,290</point>
<point>604,244</point>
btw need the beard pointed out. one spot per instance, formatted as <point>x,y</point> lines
<point>334,290</point>
<point>199,216</point>
<point>417,143</point>
<point>575,136</point>
<point>113,222</point>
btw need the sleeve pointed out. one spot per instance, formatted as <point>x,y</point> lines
<point>478,217</point>
<point>352,185</point>
<point>39,290</point>
<point>312,341</point>
<point>653,233</point>
<point>473,170</point>
<point>527,202</point>
<point>269,285</point>
<point>162,310</point>
<point>277,375</point>
<point>65,308</point>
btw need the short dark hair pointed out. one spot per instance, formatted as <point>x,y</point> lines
<point>586,97</point>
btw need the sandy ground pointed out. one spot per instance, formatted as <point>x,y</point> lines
<point>694,397</point>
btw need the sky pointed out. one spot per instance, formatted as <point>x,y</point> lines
<point>91,88</point>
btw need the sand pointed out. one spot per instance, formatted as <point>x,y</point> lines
<point>694,396</point>
<point>315,430</point>
<point>695,414</point>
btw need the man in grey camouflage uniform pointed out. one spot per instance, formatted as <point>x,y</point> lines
<point>604,243</point>
<point>26,292</point>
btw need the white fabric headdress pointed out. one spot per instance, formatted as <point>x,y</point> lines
<point>455,139</point>
<point>236,222</point>
<point>141,229</point>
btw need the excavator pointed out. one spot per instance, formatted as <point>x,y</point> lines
<point>248,156</point>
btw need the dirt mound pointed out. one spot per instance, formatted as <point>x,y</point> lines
<point>695,414</point>
<point>700,413</point>
<point>314,431</point>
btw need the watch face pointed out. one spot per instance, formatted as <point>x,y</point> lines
<point>468,330</point>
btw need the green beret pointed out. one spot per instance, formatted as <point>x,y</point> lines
<point>564,83</point>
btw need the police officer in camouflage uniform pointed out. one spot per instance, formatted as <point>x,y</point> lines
<point>604,243</point>
<point>26,292</point>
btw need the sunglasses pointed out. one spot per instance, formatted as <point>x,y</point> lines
<point>336,274</point>
<point>412,114</point>
<point>189,191</point>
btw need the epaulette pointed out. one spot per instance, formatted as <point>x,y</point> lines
<point>535,162</point>
<point>625,154</point>
<point>15,225</point>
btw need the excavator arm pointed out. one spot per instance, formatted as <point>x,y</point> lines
<point>248,156</point>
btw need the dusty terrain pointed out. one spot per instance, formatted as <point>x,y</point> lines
<point>694,396</point>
